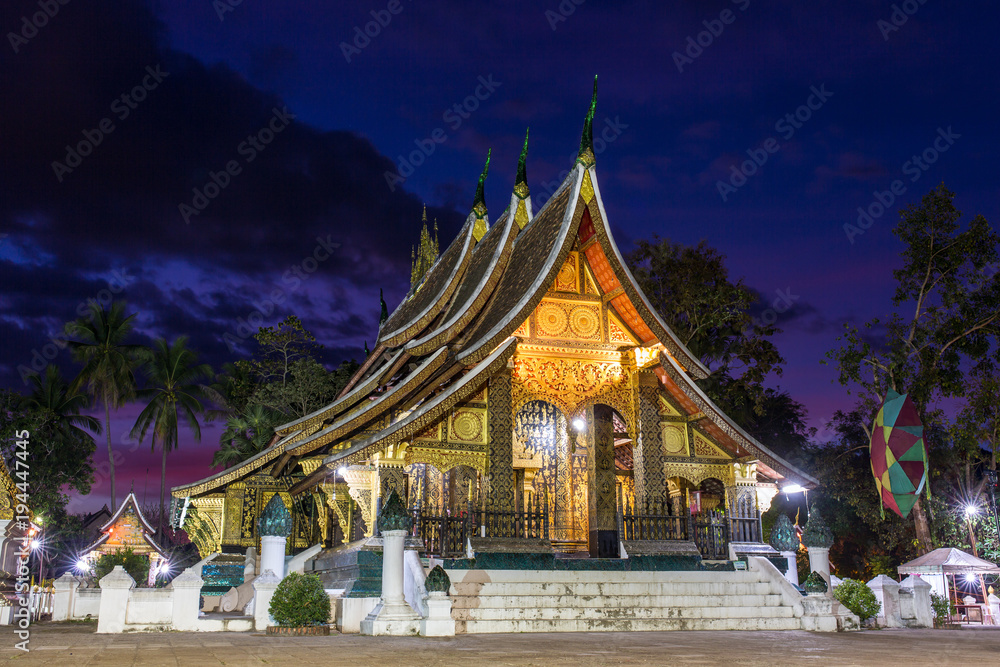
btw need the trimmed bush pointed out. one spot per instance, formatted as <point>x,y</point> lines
<point>943,609</point>
<point>299,600</point>
<point>856,596</point>
<point>135,564</point>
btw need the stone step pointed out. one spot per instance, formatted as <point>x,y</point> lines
<point>602,576</point>
<point>625,625</point>
<point>625,613</point>
<point>609,588</point>
<point>610,601</point>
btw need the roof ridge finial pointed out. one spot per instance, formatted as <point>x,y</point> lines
<point>586,156</point>
<point>479,203</point>
<point>521,180</point>
<point>384,314</point>
<point>424,218</point>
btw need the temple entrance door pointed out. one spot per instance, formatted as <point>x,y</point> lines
<point>552,470</point>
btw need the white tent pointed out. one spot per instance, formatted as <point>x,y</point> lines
<point>934,567</point>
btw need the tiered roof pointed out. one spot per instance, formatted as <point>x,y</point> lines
<point>455,329</point>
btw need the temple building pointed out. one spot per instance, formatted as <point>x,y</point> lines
<point>127,528</point>
<point>526,388</point>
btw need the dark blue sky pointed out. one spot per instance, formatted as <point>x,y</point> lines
<point>879,97</point>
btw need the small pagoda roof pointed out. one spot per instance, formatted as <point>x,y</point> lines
<point>147,529</point>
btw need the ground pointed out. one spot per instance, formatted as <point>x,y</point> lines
<point>69,645</point>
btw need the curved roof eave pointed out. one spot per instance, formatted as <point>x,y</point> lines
<point>422,416</point>
<point>625,277</point>
<point>447,331</point>
<point>723,421</point>
<point>531,296</point>
<point>416,321</point>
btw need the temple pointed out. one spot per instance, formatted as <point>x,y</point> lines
<point>524,389</point>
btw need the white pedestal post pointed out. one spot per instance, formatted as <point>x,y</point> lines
<point>439,622</point>
<point>819,561</point>
<point>994,602</point>
<point>263,589</point>
<point>63,597</point>
<point>116,586</point>
<point>923,612</point>
<point>392,615</point>
<point>272,555</point>
<point>886,589</point>
<point>792,573</point>
<point>187,591</point>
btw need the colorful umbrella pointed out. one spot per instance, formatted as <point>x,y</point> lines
<point>898,456</point>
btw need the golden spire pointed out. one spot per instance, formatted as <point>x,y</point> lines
<point>426,255</point>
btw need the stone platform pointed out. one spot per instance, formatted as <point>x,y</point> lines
<point>66,644</point>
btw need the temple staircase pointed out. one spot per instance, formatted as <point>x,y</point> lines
<point>491,601</point>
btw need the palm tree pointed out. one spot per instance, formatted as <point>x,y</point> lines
<point>60,404</point>
<point>246,434</point>
<point>173,373</point>
<point>108,363</point>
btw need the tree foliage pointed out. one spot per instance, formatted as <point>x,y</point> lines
<point>135,564</point>
<point>944,319</point>
<point>59,444</point>
<point>690,289</point>
<point>108,362</point>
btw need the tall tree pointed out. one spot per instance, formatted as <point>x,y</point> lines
<point>174,373</point>
<point>945,317</point>
<point>246,435</point>
<point>60,442</point>
<point>108,363</point>
<point>691,290</point>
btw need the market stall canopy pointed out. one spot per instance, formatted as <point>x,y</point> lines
<point>948,561</point>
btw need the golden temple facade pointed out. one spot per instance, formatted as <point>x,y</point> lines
<point>525,368</point>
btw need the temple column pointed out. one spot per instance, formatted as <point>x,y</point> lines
<point>500,468</point>
<point>741,504</point>
<point>603,510</point>
<point>648,454</point>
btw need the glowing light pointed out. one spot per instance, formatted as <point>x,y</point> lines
<point>970,578</point>
<point>793,488</point>
<point>35,545</point>
<point>342,471</point>
<point>579,424</point>
<point>82,565</point>
<point>971,510</point>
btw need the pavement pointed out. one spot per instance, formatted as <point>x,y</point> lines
<point>72,644</point>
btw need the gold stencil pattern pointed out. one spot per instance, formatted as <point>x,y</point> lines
<point>673,440</point>
<point>552,320</point>
<point>566,281</point>
<point>467,426</point>
<point>585,322</point>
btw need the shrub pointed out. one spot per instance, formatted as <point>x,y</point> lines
<point>135,564</point>
<point>943,608</point>
<point>856,596</point>
<point>300,600</point>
